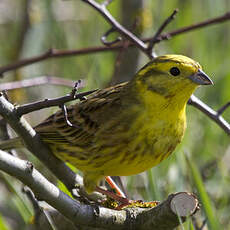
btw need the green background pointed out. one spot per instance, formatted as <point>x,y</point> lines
<point>29,28</point>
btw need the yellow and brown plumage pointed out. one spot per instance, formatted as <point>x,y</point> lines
<point>127,128</point>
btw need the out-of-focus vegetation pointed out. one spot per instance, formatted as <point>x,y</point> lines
<point>74,25</point>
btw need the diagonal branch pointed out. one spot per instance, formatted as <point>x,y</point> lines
<point>223,108</point>
<point>215,116</point>
<point>153,40</point>
<point>46,103</point>
<point>212,21</point>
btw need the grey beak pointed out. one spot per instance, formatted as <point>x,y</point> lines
<point>201,78</point>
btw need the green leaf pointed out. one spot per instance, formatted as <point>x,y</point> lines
<point>209,209</point>
<point>3,224</point>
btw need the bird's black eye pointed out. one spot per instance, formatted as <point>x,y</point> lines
<point>174,71</point>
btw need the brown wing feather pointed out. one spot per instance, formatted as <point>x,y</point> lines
<point>86,116</point>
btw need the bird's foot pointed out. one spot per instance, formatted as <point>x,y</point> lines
<point>117,202</point>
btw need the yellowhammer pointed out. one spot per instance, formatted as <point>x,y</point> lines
<point>127,128</point>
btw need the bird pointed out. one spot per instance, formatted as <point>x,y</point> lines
<point>127,128</point>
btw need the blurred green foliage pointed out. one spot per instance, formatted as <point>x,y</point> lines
<point>74,25</point>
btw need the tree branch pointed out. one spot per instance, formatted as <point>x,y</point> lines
<point>194,101</point>
<point>212,21</point>
<point>101,8</point>
<point>33,142</point>
<point>223,108</point>
<point>166,214</point>
<point>46,103</point>
<point>215,116</point>
<point>154,39</point>
<point>54,53</point>
<point>39,212</point>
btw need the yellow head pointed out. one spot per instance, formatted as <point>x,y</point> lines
<point>172,76</point>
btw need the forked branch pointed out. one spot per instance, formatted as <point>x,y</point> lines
<point>215,116</point>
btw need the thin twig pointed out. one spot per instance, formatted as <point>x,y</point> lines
<point>34,106</point>
<point>185,29</point>
<point>223,108</point>
<point>105,36</point>
<point>38,210</point>
<point>152,42</point>
<point>54,53</point>
<point>33,200</point>
<point>126,33</point>
<point>203,224</point>
<point>196,102</point>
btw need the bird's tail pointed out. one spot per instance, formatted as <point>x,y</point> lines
<point>13,143</point>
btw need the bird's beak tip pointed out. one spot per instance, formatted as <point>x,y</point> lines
<point>201,78</point>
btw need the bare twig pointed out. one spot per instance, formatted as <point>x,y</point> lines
<point>200,25</point>
<point>203,224</point>
<point>54,53</point>
<point>34,106</point>
<point>105,36</point>
<point>223,108</point>
<point>152,42</point>
<point>38,210</point>
<point>126,33</point>
<point>196,225</point>
<point>196,102</point>
<point>33,200</point>
<point>166,214</point>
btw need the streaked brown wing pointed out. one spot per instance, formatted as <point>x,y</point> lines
<point>87,118</point>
